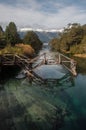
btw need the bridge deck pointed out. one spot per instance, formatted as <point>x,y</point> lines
<point>50,71</point>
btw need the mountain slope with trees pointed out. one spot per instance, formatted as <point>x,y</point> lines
<point>72,40</point>
<point>45,37</point>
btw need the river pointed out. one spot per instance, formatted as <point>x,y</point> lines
<point>59,106</point>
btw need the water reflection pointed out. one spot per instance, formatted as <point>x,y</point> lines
<point>63,83</point>
<point>81,65</point>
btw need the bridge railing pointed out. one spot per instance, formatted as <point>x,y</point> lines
<point>11,59</point>
<point>7,59</point>
<point>68,63</point>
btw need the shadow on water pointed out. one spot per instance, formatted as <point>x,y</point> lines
<point>8,72</point>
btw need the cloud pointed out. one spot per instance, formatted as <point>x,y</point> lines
<point>31,13</point>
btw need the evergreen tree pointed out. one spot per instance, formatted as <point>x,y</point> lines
<point>55,44</point>
<point>1,31</point>
<point>32,39</point>
<point>2,38</point>
<point>12,36</point>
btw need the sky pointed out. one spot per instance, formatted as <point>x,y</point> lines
<point>42,13</point>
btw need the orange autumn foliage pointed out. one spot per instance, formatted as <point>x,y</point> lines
<point>26,49</point>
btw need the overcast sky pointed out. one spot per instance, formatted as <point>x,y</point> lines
<point>43,13</point>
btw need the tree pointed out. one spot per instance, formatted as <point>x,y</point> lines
<point>12,37</point>
<point>84,29</point>
<point>32,39</point>
<point>2,38</point>
<point>55,44</point>
<point>71,39</point>
<point>1,31</point>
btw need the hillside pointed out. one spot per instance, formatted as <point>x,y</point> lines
<point>44,35</point>
<point>71,40</point>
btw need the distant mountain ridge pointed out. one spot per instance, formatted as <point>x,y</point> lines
<point>40,30</point>
<point>45,35</point>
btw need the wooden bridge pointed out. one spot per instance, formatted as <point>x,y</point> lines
<point>31,65</point>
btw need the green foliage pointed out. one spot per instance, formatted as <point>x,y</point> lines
<point>78,49</point>
<point>1,31</point>
<point>32,39</point>
<point>71,39</point>
<point>2,38</point>
<point>12,37</point>
<point>54,43</point>
<point>84,40</point>
<point>19,49</point>
<point>10,49</point>
<point>84,29</point>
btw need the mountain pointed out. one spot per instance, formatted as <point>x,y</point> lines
<point>45,35</point>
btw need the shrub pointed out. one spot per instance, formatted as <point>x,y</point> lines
<point>26,49</point>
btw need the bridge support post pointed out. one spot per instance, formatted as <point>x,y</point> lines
<point>73,67</point>
<point>45,59</point>
<point>59,57</point>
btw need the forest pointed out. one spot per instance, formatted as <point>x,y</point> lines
<point>10,41</point>
<point>71,40</point>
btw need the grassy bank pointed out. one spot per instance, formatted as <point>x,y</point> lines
<point>19,49</point>
<point>80,55</point>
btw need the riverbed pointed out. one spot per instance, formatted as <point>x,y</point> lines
<point>51,106</point>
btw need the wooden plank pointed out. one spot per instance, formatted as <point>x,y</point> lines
<point>21,59</point>
<point>63,56</point>
<point>36,58</point>
<point>11,59</point>
<point>73,71</point>
<point>66,61</point>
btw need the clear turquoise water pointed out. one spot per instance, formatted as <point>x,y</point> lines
<point>51,106</point>
<point>76,101</point>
